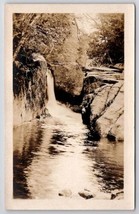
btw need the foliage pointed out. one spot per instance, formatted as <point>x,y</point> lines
<point>107,42</point>
<point>55,37</point>
<point>43,33</point>
<point>40,33</point>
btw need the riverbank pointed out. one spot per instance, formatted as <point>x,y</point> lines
<point>103,103</point>
<point>55,159</point>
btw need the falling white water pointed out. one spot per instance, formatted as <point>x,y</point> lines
<point>54,156</point>
<point>57,109</point>
<point>50,88</point>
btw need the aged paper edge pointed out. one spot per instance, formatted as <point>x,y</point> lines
<point>128,202</point>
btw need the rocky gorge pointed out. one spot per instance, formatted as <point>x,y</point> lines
<point>59,45</point>
<point>103,103</point>
<point>68,117</point>
<point>96,92</point>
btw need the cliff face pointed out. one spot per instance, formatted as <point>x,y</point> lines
<point>68,73</point>
<point>103,104</point>
<point>30,103</point>
<point>55,37</point>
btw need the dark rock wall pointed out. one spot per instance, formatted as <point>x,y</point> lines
<point>55,37</point>
<point>30,99</point>
<point>103,104</point>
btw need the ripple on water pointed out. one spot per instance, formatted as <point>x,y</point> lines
<point>59,154</point>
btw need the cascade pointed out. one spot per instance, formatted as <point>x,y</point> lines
<point>55,108</point>
<point>50,88</point>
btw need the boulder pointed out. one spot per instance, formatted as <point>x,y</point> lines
<point>104,100</point>
<point>110,112</point>
<point>86,194</point>
<point>68,73</point>
<point>118,195</point>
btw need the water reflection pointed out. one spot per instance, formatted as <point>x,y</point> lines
<point>27,139</point>
<point>107,163</point>
<point>52,156</point>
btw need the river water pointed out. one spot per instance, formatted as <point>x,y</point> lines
<point>56,156</point>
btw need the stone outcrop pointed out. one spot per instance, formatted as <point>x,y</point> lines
<point>68,73</point>
<point>86,194</point>
<point>103,103</point>
<point>117,195</point>
<point>58,41</point>
<point>31,101</point>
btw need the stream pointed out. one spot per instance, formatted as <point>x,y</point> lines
<point>56,157</point>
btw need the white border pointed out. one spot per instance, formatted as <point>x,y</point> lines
<point>128,202</point>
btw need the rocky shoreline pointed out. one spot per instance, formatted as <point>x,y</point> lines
<point>103,103</point>
<point>102,106</point>
<point>87,194</point>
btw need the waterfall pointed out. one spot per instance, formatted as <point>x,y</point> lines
<point>52,105</point>
<point>50,88</point>
<point>50,79</point>
<point>55,108</point>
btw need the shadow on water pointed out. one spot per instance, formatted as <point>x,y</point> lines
<point>59,154</point>
<point>58,139</point>
<point>107,163</point>
<point>27,139</point>
<point>50,156</point>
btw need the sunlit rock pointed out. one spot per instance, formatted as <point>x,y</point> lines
<point>103,104</point>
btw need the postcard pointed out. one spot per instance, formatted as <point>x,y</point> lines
<point>69,106</point>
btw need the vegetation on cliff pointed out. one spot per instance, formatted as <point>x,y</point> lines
<point>56,38</point>
<point>60,41</point>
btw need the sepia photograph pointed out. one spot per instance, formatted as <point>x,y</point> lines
<point>68,111</point>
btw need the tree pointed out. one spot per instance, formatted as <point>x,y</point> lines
<point>40,33</point>
<point>55,37</point>
<point>47,30</point>
<point>107,42</point>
